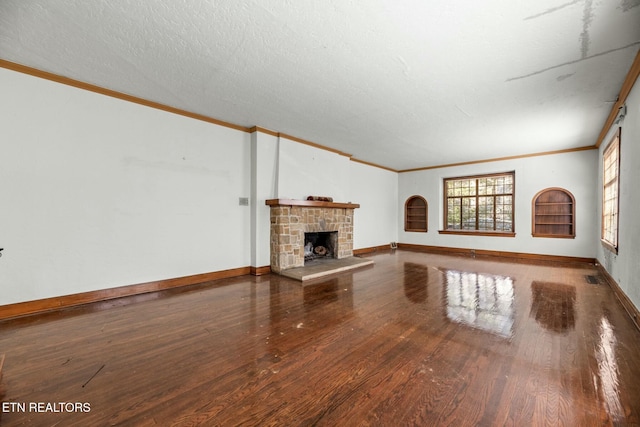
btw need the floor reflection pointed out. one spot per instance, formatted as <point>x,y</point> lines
<point>482,301</point>
<point>553,305</point>
<point>330,299</point>
<point>416,279</point>
<point>321,293</point>
<point>607,380</point>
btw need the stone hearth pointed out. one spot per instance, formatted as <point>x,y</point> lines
<point>323,267</point>
<point>291,219</point>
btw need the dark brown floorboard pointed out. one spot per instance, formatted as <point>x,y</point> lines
<point>417,339</point>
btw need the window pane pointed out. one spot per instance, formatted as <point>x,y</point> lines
<point>485,213</point>
<point>504,214</point>
<point>469,213</point>
<point>453,214</point>
<point>482,187</point>
<point>450,188</point>
<point>611,165</point>
<point>468,187</point>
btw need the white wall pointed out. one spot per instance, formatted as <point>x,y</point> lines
<point>264,186</point>
<point>305,170</point>
<point>96,192</point>
<point>376,190</point>
<point>625,266</point>
<point>572,171</point>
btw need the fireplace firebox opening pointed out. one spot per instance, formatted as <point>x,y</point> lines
<point>322,244</point>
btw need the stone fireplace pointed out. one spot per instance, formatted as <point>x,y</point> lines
<point>291,219</point>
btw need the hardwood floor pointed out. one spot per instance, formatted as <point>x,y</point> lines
<point>415,339</point>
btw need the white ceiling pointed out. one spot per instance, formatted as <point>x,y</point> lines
<point>402,84</point>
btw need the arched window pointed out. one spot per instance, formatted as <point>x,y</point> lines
<point>554,214</point>
<point>415,214</point>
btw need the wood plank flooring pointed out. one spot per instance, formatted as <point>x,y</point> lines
<point>416,339</point>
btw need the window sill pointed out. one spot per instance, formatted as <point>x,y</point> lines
<point>480,233</point>
<point>609,246</point>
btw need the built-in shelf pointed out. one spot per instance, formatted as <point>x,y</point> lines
<point>415,214</point>
<point>553,214</point>
<point>554,203</point>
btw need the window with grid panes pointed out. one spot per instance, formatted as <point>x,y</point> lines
<point>610,185</point>
<point>482,204</point>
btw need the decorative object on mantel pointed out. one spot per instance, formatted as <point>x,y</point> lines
<point>310,203</point>
<point>320,198</point>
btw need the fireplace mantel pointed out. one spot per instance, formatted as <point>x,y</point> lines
<point>311,204</point>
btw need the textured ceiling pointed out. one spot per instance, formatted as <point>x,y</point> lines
<point>402,84</point>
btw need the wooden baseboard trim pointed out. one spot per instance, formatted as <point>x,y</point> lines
<point>627,304</point>
<point>371,249</point>
<point>65,301</point>
<point>259,271</point>
<point>478,253</point>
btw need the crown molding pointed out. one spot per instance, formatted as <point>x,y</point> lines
<point>114,94</point>
<point>296,139</point>
<point>374,165</point>
<point>498,159</point>
<point>313,144</point>
<point>255,129</point>
<point>625,89</point>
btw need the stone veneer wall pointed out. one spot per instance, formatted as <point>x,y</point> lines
<point>289,223</point>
